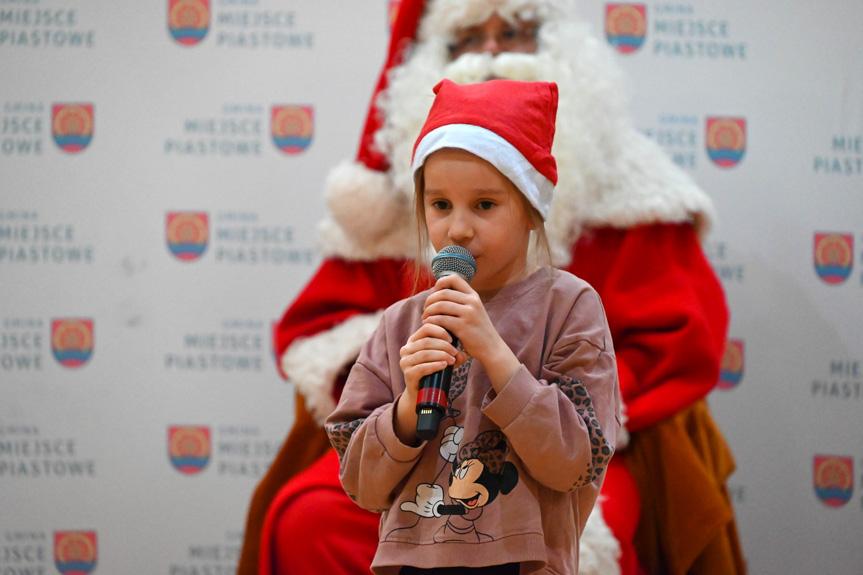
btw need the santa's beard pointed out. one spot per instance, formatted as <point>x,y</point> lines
<point>592,114</point>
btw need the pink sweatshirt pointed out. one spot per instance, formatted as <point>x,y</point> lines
<point>511,477</point>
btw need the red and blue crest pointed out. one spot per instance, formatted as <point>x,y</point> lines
<point>292,128</point>
<point>626,26</point>
<point>72,341</point>
<point>726,141</point>
<point>189,448</point>
<point>75,552</point>
<point>833,478</point>
<point>833,256</point>
<point>731,371</point>
<point>187,234</point>
<point>188,20</point>
<point>72,126</point>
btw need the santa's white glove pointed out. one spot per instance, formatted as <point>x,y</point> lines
<point>428,501</point>
<point>450,442</point>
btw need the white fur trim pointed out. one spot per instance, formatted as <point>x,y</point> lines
<point>599,550</point>
<point>495,150</point>
<point>313,363</point>
<point>368,219</point>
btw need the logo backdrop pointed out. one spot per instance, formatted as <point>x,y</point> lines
<point>161,168</point>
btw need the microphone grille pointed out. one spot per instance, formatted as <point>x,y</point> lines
<point>454,260</point>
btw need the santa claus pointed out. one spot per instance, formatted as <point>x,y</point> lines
<point>625,218</point>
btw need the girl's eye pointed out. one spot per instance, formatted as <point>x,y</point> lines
<point>485,205</point>
<point>440,205</point>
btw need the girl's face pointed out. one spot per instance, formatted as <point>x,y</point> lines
<point>468,202</point>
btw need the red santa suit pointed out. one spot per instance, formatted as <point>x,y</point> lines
<point>624,218</point>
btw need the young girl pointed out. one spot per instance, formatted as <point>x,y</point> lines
<point>532,414</point>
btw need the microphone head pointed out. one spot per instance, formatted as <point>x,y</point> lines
<point>454,260</point>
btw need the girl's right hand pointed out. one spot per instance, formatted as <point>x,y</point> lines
<point>428,350</point>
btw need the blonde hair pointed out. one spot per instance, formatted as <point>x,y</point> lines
<point>539,249</point>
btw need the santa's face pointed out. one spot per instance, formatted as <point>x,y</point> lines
<point>495,36</point>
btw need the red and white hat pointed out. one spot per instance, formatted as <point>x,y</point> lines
<point>507,123</point>
<point>402,35</point>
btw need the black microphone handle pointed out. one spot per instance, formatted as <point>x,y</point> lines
<point>432,400</point>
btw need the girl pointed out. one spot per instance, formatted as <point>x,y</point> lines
<point>532,415</point>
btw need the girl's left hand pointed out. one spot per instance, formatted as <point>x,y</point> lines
<point>456,307</point>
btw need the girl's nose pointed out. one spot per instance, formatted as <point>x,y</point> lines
<point>459,228</point>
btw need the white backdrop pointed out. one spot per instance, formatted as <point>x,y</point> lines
<point>152,228</point>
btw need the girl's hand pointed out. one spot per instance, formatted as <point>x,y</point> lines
<point>428,349</point>
<point>456,307</point>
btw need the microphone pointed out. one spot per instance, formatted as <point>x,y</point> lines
<point>432,397</point>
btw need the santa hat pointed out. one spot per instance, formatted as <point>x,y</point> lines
<point>507,123</point>
<point>402,35</point>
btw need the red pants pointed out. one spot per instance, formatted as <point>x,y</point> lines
<point>312,527</point>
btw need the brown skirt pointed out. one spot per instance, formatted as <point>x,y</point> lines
<point>687,524</point>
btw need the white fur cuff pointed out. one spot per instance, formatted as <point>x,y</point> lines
<point>313,363</point>
<point>368,219</point>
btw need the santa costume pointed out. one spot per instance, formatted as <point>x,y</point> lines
<point>625,219</point>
